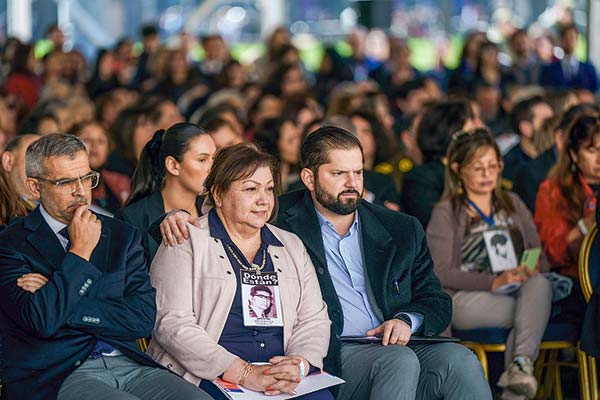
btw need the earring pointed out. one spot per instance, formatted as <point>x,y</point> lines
<point>459,187</point>
<point>574,167</point>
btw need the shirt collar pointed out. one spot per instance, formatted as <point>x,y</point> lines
<point>218,231</point>
<point>325,221</point>
<point>54,224</point>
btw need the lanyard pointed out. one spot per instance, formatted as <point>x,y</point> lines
<point>489,219</point>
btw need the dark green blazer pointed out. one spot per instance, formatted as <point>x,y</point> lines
<point>143,214</point>
<point>398,266</point>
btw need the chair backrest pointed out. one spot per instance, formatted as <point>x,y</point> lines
<point>589,262</point>
<point>142,344</point>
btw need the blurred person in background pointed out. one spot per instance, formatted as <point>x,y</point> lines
<point>532,173</point>
<point>280,137</point>
<point>99,146</point>
<point>11,205</point>
<point>488,98</point>
<point>151,43</point>
<point>423,186</point>
<point>222,132</point>
<point>22,80</point>
<point>231,76</point>
<point>489,69</point>
<point>463,76</point>
<point>170,176</point>
<point>524,66</point>
<point>13,164</point>
<point>527,118</point>
<point>104,77</point>
<point>332,71</point>
<point>407,100</point>
<point>180,77</point>
<point>569,72</point>
<point>131,131</point>
<point>286,80</point>
<point>216,55</point>
<point>56,36</point>
<point>566,204</point>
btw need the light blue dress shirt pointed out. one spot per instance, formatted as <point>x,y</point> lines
<point>345,262</point>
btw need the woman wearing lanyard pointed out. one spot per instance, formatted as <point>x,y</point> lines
<point>478,229</point>
<point>240,291</point>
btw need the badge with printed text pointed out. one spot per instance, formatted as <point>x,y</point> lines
<point>260,298</point>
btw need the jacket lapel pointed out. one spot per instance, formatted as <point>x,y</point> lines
<point>378,252</point>
<point>302,218</point>
<point>100,255</point>
<point>43,240</point>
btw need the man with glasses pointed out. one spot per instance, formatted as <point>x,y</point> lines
<point>74,292</point>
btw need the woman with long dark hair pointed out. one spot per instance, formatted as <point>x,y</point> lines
<point>170,175</point>
<point>565,203</point>
<point>22,80</point>
<point>565,207</point>
<point>10,204</point>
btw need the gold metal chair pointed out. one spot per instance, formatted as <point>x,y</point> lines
<point>588,246</point>
<point>547,366</point>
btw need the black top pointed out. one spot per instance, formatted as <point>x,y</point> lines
<point>143,214</point>
<point>530,176</point>
<point>422,189</point>
<point>515,158</point>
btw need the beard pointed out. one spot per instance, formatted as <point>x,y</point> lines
<point>336,204</point>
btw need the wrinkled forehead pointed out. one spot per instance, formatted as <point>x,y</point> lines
<point>349,158</point>
<point>67,166</point>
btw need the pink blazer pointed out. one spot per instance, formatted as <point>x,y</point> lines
<point>195,285</point>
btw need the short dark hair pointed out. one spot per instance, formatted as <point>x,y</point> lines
<point>17,141</point>
<point>498,239</point>
<point>403,91</point>
<point>438,125</point>
<point>523,111</point>
<point>564,29</point>
<point>316,147</point>
<point>149,30</point>
<point>214,124</point>
<point>54,145</point>
<point>260,288</point>
<point>237,162</point>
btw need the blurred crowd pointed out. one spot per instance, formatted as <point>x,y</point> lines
<point>446,146</point>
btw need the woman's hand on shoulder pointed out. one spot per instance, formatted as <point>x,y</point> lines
<point>173,228</point>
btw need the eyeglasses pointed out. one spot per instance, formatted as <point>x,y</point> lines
<point>70,185</point>
<point>481,170</point>
<point>262,296</point>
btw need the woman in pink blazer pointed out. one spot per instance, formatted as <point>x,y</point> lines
<point>240,291</point>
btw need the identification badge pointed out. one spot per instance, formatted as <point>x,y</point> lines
<point>500,249</point>
<point>261,304</point>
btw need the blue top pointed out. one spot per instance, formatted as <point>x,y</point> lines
<point>254,343</point>
<point>345,261</point>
